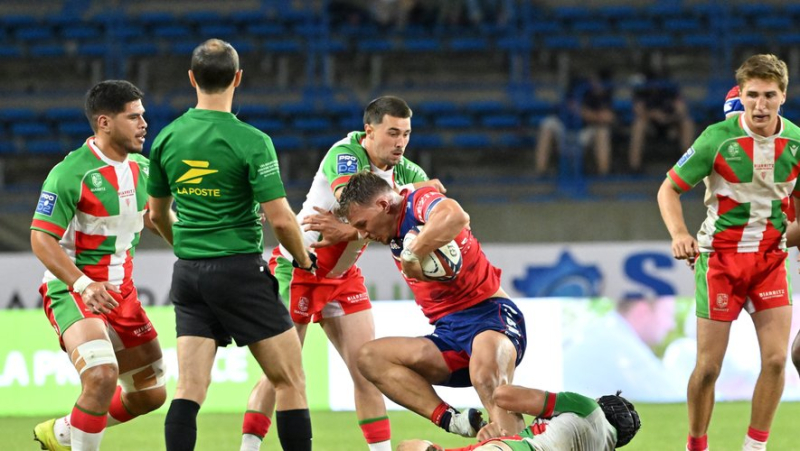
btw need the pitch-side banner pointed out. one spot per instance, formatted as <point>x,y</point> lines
<point>614,270</point>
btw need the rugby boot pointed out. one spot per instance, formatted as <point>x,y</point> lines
<point>44,434</point>
<point>466,423</point>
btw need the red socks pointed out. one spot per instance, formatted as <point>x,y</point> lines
<point>376,429</point>
<point>697,443</point>
<point>256,423</point>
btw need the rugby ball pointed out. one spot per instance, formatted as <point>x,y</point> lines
<point>443,264</point>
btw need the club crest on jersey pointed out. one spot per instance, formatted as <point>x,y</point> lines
<point>686,157</point>
<point>346,164</point>
<point>733,152</point>
<point>47,202</point>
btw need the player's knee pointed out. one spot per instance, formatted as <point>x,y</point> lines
<point>774,363</point>
<point>142,402</point>
<point>100,381</point>
<point>367,360</point>
<point>706,373</point>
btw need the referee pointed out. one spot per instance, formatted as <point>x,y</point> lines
<point>218,170</point>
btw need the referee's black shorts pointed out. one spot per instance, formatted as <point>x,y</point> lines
<point>228,297</point>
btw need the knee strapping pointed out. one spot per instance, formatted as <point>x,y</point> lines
<point>147,377</point>
<point>93,353</point>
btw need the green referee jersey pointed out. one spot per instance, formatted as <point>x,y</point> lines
<point>218,169</point>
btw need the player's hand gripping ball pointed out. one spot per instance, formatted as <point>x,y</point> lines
<point>443,264</point>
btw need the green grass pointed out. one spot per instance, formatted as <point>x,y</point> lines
<point>663,428</point>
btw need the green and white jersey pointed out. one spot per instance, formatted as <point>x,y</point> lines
<point>578,422</point>
<point>95,207</point>
<point>344,159</point>
<point>218,169</point>
<point>749,181</point>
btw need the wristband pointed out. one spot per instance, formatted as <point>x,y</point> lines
<point>79,286</point>
<point>313,257</point>
<point>407,256</point>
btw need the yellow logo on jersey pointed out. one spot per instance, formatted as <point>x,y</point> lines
<point>196,173</point>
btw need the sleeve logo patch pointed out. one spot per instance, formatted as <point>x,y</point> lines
<point>346,164</point>
<point>47,202</point>
<point>686,157</point>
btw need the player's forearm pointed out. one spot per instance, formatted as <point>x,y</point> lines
<point>669,204</point>
<point>162,217</point>
<point>50,253</point>
<point>286,229</point>
<point>445,222</point>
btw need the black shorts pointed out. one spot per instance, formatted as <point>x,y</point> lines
<point>228,297</point>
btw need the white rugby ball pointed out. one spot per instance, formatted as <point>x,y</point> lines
<point>443,264</point>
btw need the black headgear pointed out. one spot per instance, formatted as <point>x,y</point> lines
<point>621,414</point>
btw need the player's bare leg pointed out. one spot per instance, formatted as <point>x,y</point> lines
<point>772,328</point>
<point>491,365</point>
<point>98,381</point>
<point>602,149</point>
<point>143,367</point>
<point>260,407</point>
<point>280,357</point>
<point>403,369</point>
<point>796,352</point>
<point>195,360</point>
<point>712,341</point>
<point>348,334</point>
<point>638,130</point>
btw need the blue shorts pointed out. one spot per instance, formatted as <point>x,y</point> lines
<point>455,332</point>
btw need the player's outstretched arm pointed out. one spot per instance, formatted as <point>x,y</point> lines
<point>518,399</point>
<point>434,183</point>
<point>684,245</point>
<point>161,216</point>
<point>286,229</point>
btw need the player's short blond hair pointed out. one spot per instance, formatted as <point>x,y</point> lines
<point>764,67</point>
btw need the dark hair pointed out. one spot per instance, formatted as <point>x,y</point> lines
<point>109,97</point>
<point>391,105</point>
<point>622,415</point>
<point>214,65</point>
<point>360,190</point>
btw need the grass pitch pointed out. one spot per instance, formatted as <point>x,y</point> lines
<point>664,427</point>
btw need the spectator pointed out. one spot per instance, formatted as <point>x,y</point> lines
<point>592,115</point>
<point>658,103</point>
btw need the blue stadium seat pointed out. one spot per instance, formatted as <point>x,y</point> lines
<point>17,20</point>
<point>221,31</point>
<point>472,141</point>
<point>93,49</point>
<point>156,18</point>
<point>374,45</point>
<point>654,40</point>
<point>501,121</point>
<point>527,104</point>
<point>247,17</point>
<point>266,125</point>
<point>34,33</point>
<point>252,110</point>
<point>636,25</point>
<point>323,142</point>
<point>265,29</point>
<point>747,39</point>
<point>286,143</point>
<point>46,50</point>
<point>699,40</point>
<point>545,27</point>
<point>512,140</point>
<point>64,114</point>
<point>789,39</point>
<point>127,31</point>
<point>754,9</point>
<point>172,31</point>
<point>6,147</point>
<point>591,26</point>
<point>422,141</point>
<point>311,124</point>
<point>481,107</point>
<point>283,46</point>
<point>47,146</point>
<point>243,46</point>
<point>774,23</point>
<point>571,12</point>
<point>563,42</point>
<point>617,12</point>
<point>76,129</point>
<point>205,17</point>
<point>610,41</point>
<point>421,44</point>
<point>141,49</point>
<point>183,47</point>
<point>17,114</point>
<point>30,129</point>
<point>468,44</point>
<point>434,107</point>
<point>297,109</point>
<point>515,43</point>
<point>682,24</point>
<point>81,31</point>
<point>454,121</point>
<point>10,51</point>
